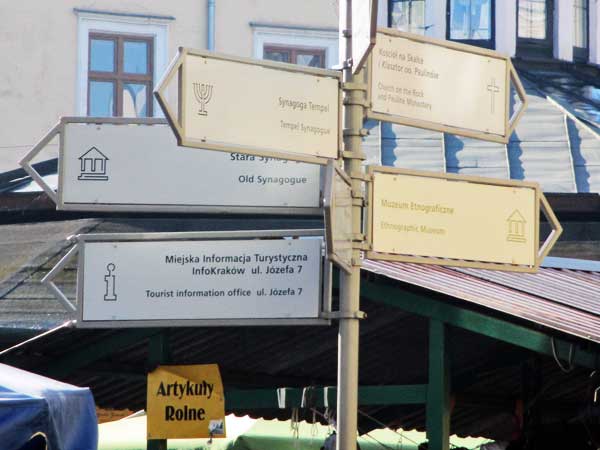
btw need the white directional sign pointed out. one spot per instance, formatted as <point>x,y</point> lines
<point>175,279</point>
<point>364,29</point>
<point>442,86</point>
<point>136,165</point>
<point>254,107</point>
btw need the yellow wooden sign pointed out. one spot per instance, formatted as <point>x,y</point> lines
<point>455,220</point>
<point>254,107</point>
<point>443,86</point>
<point>185,402</point>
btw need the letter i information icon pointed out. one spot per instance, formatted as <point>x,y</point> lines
<point>109,280</point>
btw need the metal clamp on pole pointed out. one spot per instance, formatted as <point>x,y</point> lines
<point>355,102</point>
<point>357,194</point>
<point>351,132</point>
<point>336,315</point>
<point>362,245</point>
<point>349,86</point>
<point>361,176</point>
<point>354,155</point>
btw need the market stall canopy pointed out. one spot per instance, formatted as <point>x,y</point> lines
<point>31,404</point>
<point>245,433</point>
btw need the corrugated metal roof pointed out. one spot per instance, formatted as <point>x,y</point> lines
<point>412,148</point>
<point>539,149</point>
<point>393,343</point>
<point>561,299</point>
<point>475,157</point>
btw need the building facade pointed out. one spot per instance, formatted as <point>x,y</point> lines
<point>70,58</point>
<point>565,30</point>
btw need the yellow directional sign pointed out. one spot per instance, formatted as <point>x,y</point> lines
<point>443,86</point>
<point>254,107</point>
<point>457,220</point>
<point>185,402</point>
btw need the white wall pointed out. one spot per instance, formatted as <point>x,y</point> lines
<point>435,19</point>
<point>382,13</point>
<point>40,60</point>
<point>595,32</point>
<point>563,30</point>
<point>506,27</point>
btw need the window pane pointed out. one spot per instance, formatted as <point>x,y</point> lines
<point>102,55</point>
<point>532,19</point>
<point>102,99</point>
<point>135,100</point>
<point>135,57</point>
<point>277,55</point>
<point>310,59</point>
<point>580,28</point>
<point>470,19</point>
<point>409,15</point>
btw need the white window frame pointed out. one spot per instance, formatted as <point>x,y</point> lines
<point>297,37</point>
<point>92,22</point>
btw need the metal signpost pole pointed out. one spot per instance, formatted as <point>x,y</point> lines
<point>348,336</point>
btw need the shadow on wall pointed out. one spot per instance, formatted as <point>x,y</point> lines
<point>580,162</point>
<point>388,156</point>
<point>453,146</point>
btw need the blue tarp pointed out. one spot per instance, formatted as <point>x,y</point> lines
<point>30,403</point>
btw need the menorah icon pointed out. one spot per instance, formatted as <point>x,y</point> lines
<point>203,93</point>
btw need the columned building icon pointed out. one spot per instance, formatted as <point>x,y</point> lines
<point>93,165</point>
<point>516,227</point>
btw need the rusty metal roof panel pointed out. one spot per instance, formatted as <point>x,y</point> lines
<point>561,299</point>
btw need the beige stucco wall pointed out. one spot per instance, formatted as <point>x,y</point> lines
<point>38,60</point>
<point>233,33</point>
<point>39,51</point>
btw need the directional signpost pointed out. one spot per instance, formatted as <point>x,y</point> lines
<point>136,165</point>
<point>257,111</point>
<point>456,220</point>
<point>254,107</point>
<point>443,86</point>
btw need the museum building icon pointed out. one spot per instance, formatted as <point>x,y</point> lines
<point>93,165</point>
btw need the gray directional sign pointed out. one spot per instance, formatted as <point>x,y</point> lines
<point>136,165</point>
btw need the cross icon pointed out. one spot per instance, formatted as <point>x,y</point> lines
<point>493,89</point>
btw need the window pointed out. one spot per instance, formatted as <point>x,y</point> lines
<point>533,15</point>
<point>120,75</point>
<point>580,30</point>
<point>471,20</point>
<point>119,56</point>
<point>407,15</point>
<point>301,56</point>
<point>535,19</point>
<point>307,46</point>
